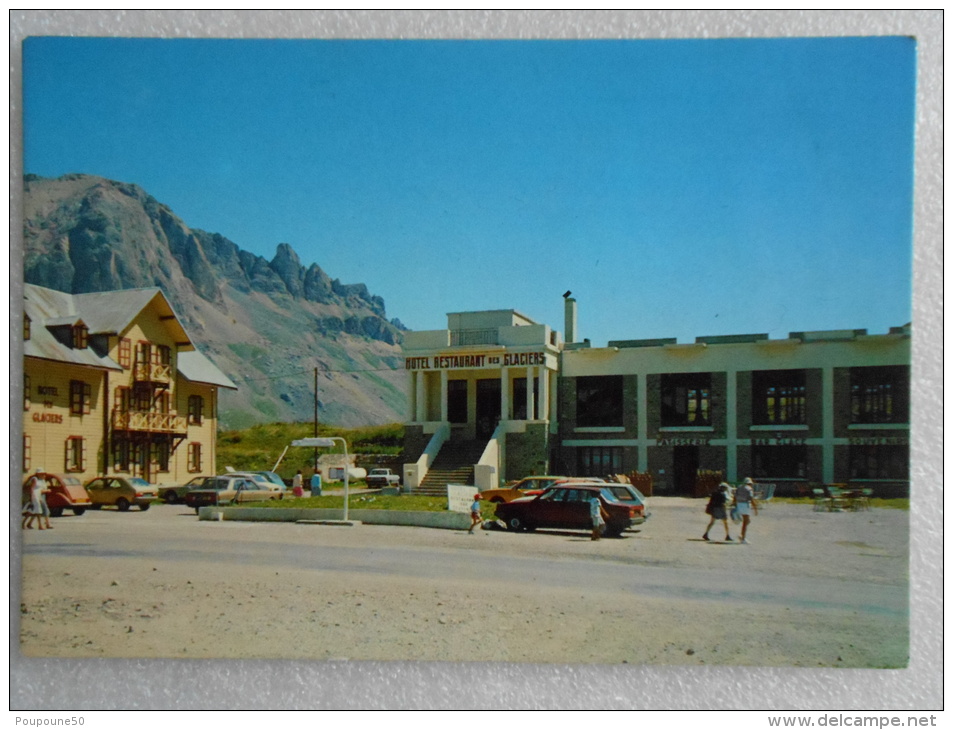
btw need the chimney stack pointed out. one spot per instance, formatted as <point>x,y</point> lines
<point>570,330</point>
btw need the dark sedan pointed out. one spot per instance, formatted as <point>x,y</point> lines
<point>567,506</point>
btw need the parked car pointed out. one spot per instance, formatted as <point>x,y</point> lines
<point>176,492</point>
<point>65,492</point>
<point>567,506</point>
<point>264,482</point>
<point>121,493</point>
<point>523,488</point>
<point>272,477</point>
<point>627,494</point>
<point>380,478</point>
<point>230,489</point>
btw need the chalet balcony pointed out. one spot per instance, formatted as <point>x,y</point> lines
<point>148,421</point>
<point>147,372</point>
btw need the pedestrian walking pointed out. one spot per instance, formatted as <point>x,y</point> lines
<point>717,508</point>
<point>598,514</point>
<point>475,517</point>
<point>38,509</point>
<point>744,504</point>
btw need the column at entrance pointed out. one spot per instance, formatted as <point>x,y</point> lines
<point>543,393</point>
<point>421,398</point>
<point>444,390</point>
<point>505,410</point>
<point>530,396</point>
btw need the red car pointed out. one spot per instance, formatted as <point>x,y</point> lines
<point>65,492</point>
<point>567,506</point>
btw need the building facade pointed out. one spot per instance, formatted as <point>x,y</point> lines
<point>821,407</point>
<point>484,391</point>
<point>114,385</point>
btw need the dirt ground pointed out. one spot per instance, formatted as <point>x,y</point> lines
<point>832,593</point>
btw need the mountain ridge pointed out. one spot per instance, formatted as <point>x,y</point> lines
<point>269,325</point>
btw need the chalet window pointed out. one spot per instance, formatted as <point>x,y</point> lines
<point>880,394</point>
<point>80,337</point>
<point>598,461</point>
<point>879,462</point>
<point>197,409</point>
<point>27,452</point>
<point>141,398</point>
<point>686,399</point>
<point>779,397</point>
<point>598,400</point>
<point>121,454</point>
<point>26,392</point>
<point>75,453</point>
<point>779,462</point>
<point>80,397</point>
<point>26,327</point>
<point>163,355</point>
<point>160,455</point>
<point>121,399</point>
<point>195,457</point>
<point>125,353</point>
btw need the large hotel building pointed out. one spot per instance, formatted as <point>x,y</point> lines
<point>497,396</point>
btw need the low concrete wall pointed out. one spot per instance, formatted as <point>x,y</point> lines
<point>441,520</point>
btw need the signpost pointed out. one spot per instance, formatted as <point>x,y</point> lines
<point>325,442</point>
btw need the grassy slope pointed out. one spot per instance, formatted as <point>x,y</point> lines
<point>260,446</point>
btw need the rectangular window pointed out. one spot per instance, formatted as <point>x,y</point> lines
<point>80,337</point>
<point>879,462</point>
<point>75,453</point>
<point>195,457</point>
<point>779,397</point>
<point>456,401</point>
<point>141,398</point>
<point>121,453</point>
<point>27,452</point>
<point>160,455</point>
<point>598,400</point>
<point>686,399</point>
<point>779,462</point>
<point>196,410</point>
<point>880,394</point>
<point>80,398</point>
<point>163,354</point>
<point>598,461</point>
<point>121,399</point>
<point>26,327</point>
<point>125,353</point>
<point>27,396</point>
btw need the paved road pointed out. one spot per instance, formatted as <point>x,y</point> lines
<point>845,582</point>
<point>171,534</point>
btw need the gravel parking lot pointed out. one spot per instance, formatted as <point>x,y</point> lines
<point>813,589</point>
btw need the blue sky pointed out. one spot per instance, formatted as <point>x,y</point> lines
<point>678,188</point>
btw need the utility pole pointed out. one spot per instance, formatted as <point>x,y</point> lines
<point>315,419</point>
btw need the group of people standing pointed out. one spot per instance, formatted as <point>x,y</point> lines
<point>742,503</point>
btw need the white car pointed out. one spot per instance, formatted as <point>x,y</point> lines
<point>260,479</point>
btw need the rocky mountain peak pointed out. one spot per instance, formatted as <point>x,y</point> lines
<point>85,233</point>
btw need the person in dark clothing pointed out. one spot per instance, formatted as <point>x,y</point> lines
<point>718,509</point>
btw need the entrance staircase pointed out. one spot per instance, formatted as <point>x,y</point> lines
<point>453,465</point>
